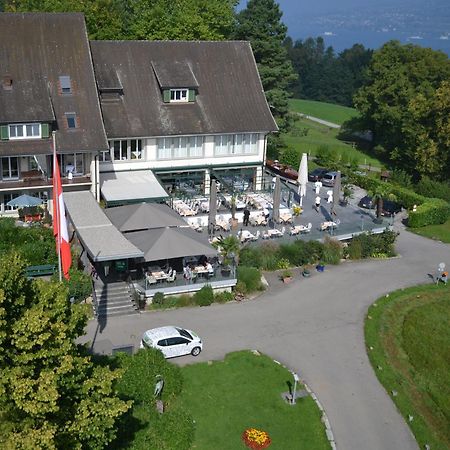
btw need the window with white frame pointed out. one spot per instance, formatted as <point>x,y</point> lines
<point>9,166</point>
<point>180,147</point>
<point>7,198</point>
<point>72,163</point>
<point>236,144</point>
<point>25,131</point>
<point>123,150</point>
<point>179,95</point>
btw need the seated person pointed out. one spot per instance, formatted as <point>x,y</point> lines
<point>210,268</point>
<point>202,260</point>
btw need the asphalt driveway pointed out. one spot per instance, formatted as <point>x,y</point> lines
<point>315,327</point>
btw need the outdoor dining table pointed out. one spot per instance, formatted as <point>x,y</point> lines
<point>259,219</point>
<point>160,276</point>
<point>246,236</point>
<point>274,233</point>
<point>223,225</point>
<point>201,270</point>
<point>285,217</point>
<point>325,225</point>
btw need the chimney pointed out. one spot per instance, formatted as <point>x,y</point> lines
<point>7,82</point>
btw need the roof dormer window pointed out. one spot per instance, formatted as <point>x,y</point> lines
<point>179,95</point>
<point>65,84</point>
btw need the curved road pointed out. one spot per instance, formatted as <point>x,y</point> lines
<point>315,327</point>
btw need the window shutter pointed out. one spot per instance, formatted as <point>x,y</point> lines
<point>44,130</point>
<point>166,96</point>
<point>191,96</point>
<point>4,133</point>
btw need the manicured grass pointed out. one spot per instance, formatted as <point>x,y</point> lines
<point>408,342</point>
<point>307,136</point>
<point>325,111</point>
<point>438,232</point>
<point>227,397</point>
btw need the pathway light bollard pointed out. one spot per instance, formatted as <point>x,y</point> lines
<point>362,222</point>
<point>294,391</point>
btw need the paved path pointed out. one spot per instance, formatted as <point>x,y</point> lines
<point>321,121</point>
<point>314,326</point>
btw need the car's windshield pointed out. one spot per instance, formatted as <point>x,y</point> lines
<point>328,176</point>
<point>184,333</point>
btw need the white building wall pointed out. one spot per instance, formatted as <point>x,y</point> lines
<point>149,158</point>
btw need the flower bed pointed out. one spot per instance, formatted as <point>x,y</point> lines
<point>256,439</point>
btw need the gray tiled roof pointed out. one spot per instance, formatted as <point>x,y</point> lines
<point>35,49</point>
<point>230,97</point>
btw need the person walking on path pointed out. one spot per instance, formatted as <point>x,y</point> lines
<point>317,186</point>
<point>317,203</point>
<point>246,216</point>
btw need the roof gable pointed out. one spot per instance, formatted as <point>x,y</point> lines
<point>36,50</point>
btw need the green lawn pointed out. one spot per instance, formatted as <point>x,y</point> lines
<point>408,342</point>
<point>227,397</point>
<point>307,136</point>
<point>325,111</point>
<point>439,232</point>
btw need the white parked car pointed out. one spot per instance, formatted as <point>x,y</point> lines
<point>172,341</point>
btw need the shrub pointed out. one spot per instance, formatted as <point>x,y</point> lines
<point>314,250</point>
<point>250,277</point>
<point>158,298</point>
<point>433,189</point>
<point>283,263</point>
<point>223,297</point>
<point>372,245</point>
<point>434,211</point>
<point>241,288</point>
<point>354,249</point>
<point>332,251</point>
<point>204,297</point>
<point>79,286</point>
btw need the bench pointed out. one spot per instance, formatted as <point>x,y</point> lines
<point>40,271</point>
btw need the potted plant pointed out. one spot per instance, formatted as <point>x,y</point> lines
<point>306,272</point>
<point>347,193</point>
<point>286,276</point>
<point>320,267</point>
<point>228,248</point>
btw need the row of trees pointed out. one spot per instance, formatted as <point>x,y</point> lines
<point>323,75</point>
<point>405,102</point>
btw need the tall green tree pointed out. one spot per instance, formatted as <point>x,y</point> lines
<point>260,23</point>
<point>51,394</point>
<point>144,19</point>
<point>180,19</point>
<point>104,18</point>
<point>403,94</point>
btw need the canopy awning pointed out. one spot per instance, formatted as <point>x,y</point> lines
<point>144,216</point>
<point>101,239</point>
<point>167,243</point>
<point>131,187</point>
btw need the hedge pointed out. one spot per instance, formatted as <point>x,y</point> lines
<point>433,212</point>
<point>430,211</point>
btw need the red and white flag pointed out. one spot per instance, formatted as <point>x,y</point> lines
<point>59,220</point>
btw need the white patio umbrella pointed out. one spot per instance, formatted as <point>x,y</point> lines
<point>25,200</point>
<point>302,177</point>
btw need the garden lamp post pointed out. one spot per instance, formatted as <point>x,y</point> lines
<point>295,388</point>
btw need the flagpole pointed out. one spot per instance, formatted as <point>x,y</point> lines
<point>56,206</point>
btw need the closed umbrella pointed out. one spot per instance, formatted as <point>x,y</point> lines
<point>302,177</point>
<point>276,200</point>
<point>24,201</point>
<point>212,206</point>
<point>336,192</point>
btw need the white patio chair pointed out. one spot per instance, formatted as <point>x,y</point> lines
<point>171,278</point>
<point>256,236</point>
<point>283,230</point>
<point>308,228</point>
